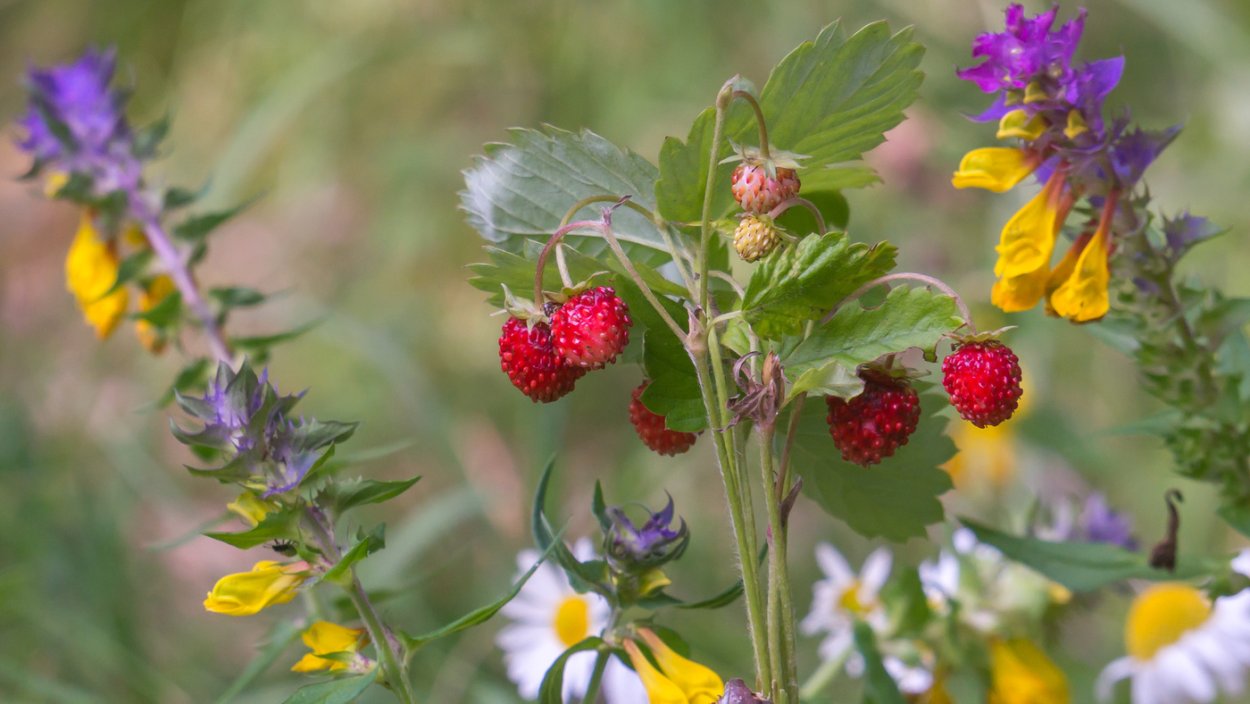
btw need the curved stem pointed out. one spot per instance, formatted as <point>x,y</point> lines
<point>388,649</point>
<point>737,287</point>
<point>542,256</point>
<point>759,120</point>
<point>563,267</point>
<point>604,198</point>
<point>909,276</point>
<point>176,264</point>
<point>615,246</point>
<point>788,203</point>
<point>705,241</point>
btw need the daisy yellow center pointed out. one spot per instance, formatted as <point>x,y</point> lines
<point>1161,615</point>
<point>849,600</point>
<point>572,621</point>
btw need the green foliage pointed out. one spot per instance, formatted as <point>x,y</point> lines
<point>278,525</point>
<point>367,491</point>
<point>1083,567</point>
<point>802,283</point>
<point>522,189</point>
<point>552,689</point>
<point>339,691</point>
<point>831,100</point>
<point>909,317</point>
<point>366,545</point>
<point>131,268</point>
<point>879,686</point>
<point>895,499</point>
<point>197,227</point>
<point>906,603</point>
<point>674,390</point>
<point>584,576</point>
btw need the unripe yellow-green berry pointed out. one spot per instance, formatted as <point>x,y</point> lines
<point>755,238</point>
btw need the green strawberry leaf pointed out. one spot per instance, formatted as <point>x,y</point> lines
<point>908,317</point>
<point>674,389</point>
<point>805,281</point>
<point>831,99</point>
<point>521,190</point>
<point>895,499</point>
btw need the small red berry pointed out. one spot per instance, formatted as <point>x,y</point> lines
<point>591,328</point>
<point>652,431</point>
<point>757,193</point>
<point>531,362</point>
<point>871,426</point>
<point>983,380</point>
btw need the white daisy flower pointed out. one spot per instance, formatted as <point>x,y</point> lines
<point>547,618</point>
<point>1182,648</point>
<point>843,597</point>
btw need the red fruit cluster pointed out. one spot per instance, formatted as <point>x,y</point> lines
<point>591,328</point>
<point>983,380</point>
<point>651,428</point>
<point>529,358</point>
<point>871,426</point>
<point>757,193</point>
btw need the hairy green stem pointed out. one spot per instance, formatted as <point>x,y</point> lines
<point>737,516</point>
<point>765,153</point>
<point>647,293</point>
<point>705,242</point>
<point>392,660</point>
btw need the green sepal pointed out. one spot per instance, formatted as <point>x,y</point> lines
<point>368,491</point>
<point>197,227</point>
<point>131,268</point>
<point>277,525</point>
<point>366,545</point>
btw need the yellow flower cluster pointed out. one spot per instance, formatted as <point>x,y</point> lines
<point>1076,289</point>
<point>678,680</point>
<point>325,638</point>
<point>246,593</point>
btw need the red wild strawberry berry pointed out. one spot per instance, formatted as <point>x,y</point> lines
<point>757,193</point>
<point>652,431</point>
<point>531,362</point>
<point>983,380</point>
<point>591,328</point>
<point>871,426</point>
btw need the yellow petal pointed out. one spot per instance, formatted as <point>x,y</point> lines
<point>246,593</point>
<point>652,581</point>
<point>251,508</point>
<point>1020,673</point>
<point>153,293</point>
<point>1034,93</point>
<point>1019,293</point>
<point>1028,238</point>
<point>1018,123</point>
<point>1083,296</point>
<point>53,184</point>
<point>660,690</point>
<point>1076,125</point>
<point>323,638</point>
<point>700,684</point>
<point>995,169</point>
<point>90,271</point>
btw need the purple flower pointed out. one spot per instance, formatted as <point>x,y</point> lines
<point>75,123</point>
<point>1026,51</point>
<point>1090,86</point>
<point>1101,524</point>
<point>1185,231</point>
<point>1132,151</point>
<point>630,548</point>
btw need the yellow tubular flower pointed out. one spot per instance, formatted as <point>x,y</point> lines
<point>996,169</point>
<point>323,638</point>
<point>90,271</point>
<point>1019,293</point>
<point>153,293</point>
<point>698,683</point>
<point>1020,673</point>
<point>1076,125</point>
<point>1083,296</point>
<point>1028,238</point>
<point>250,508</point>
<point>660,689</point>
<point>1017,123</point>
<point>246,593</point>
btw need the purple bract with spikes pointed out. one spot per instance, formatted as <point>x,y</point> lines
<point>656,542</point>
<point>1025,51</point>
<point>76,123</point>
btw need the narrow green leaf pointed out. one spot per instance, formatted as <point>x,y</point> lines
<point>583,576</point>
<point>370,491</point>
<point>131,268</point>
<point>896,499</point>
<point>366,545</point>
<point>197,227</point>
<point>879,686</point>
<point>165,313</point>
<point>264,342</point>
<point>909,317</point>
<point>804,282</point>
<point>340,691</point>
<point>237,296</point>
<point>552,689</point>
<point>1082,567</point>
<point>278,525</point>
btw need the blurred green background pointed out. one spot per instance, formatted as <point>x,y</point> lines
<point>352,121</point>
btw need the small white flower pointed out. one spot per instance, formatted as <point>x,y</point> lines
<point>843,597</point>
<point>1241,563</point>
<point>1182,649</point>
<point>547,618</point>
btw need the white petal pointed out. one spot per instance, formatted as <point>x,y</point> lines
<point>834,565</point>
<point>577,672</point>
<point>1148,687</point>
<point>875,571</point>
<point>1241,563</point>
<point>964,540</point>
<point>621,685</point>
<point>1184,672</point>
<point>1112,673</point>
<point>836,645</point>
<point>1224,666</point>
<point>584,550</point>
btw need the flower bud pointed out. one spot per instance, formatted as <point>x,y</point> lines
<point>634,550</point>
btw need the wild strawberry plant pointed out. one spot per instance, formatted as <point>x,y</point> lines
<point>725,276</point>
